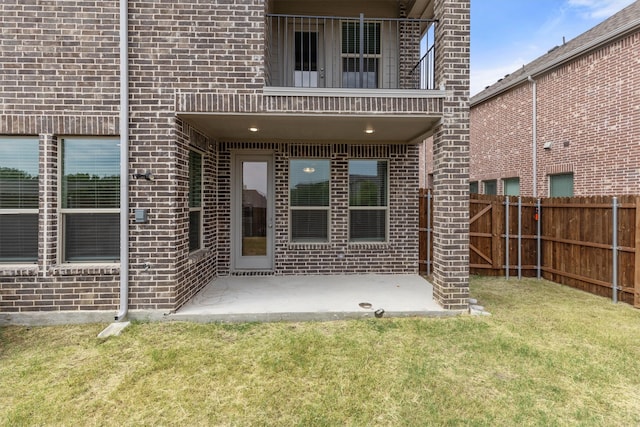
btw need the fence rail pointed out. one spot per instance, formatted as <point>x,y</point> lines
<point>589,243</point>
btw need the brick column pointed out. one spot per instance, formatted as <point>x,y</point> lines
<point>451,157</point>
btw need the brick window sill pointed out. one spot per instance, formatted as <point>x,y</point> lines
<point>18,270</point>
<point>376,246</point>
<point>310,246</point>
<point>86,270</point>
<point>197,256</point>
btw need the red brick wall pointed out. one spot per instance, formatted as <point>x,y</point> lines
<point>501,138</point>
<point>589,109</point>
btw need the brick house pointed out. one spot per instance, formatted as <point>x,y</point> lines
<point>572,115</point>
<point>226,137</point>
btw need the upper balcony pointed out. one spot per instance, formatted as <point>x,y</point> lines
<point>351,77</point>
<point>334,52</point>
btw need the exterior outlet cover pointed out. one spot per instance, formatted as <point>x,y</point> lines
<point>141,216</point>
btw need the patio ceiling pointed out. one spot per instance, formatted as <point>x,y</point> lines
<point>421,9</point>
<point>313,127</point>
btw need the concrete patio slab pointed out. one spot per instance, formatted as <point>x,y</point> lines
<point>301,298</point>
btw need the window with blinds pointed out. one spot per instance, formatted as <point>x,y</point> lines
<point>309,200</point>
<point>90,199</point>
<point>195,200</point>
<point>357,73</point>
<point>368,200</point>
<point>18,200</point>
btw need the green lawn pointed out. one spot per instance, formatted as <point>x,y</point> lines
<point>548,355</point>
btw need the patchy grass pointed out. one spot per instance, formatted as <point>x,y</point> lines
<point>548,355</point>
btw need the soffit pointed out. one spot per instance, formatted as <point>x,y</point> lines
<point>422,9</point>
<point>313,127</point>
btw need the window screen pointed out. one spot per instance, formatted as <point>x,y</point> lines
<point>473,187</point>
<point>195,200</point>
<point>561,185</point>
<point>90,199</point>
<point>512,186</point>
<point>18,200</point>
<point>309,200</point>
<point>490,187</point>
<point>368,200</point>
<point>351,38</point>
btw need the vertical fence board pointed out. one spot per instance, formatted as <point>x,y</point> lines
<point>496,241</point>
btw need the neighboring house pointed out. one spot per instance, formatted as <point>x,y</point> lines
<point>573,113</point>
<point>227,137</point>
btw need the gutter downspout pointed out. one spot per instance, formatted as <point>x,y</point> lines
<point>534,143</point>
<point>124,161</point>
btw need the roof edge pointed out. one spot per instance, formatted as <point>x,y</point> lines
<point>577,52</point>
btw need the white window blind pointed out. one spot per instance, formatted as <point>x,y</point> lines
<point>352,75</point>
<point>368,200</point>
<point>18,199</point>
<point>309,200</point>
<point>90,199</point>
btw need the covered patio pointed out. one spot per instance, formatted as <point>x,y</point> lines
<point>304,298</point>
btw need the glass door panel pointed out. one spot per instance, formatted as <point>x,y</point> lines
<point>252,213</point>
<point>254,208</point>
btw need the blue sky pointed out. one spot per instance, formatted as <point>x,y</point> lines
<point>506,34</point>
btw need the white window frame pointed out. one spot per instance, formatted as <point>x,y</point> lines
<point>62,256</point>
<point>31,211</point>
<point>309,208</point>
<point>199,209</point>
<point>369,208</point>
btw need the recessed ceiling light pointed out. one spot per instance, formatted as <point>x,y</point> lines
<point>308,170</point>
<point>369,131</point>
<point>253,129</point>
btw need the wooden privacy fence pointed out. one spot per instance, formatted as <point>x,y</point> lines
<point>589,243</point>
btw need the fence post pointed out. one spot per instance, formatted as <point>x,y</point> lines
<point>538,238</point>
<point>519,238</point>
<point>615,250</point>
<point>506,237</point>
